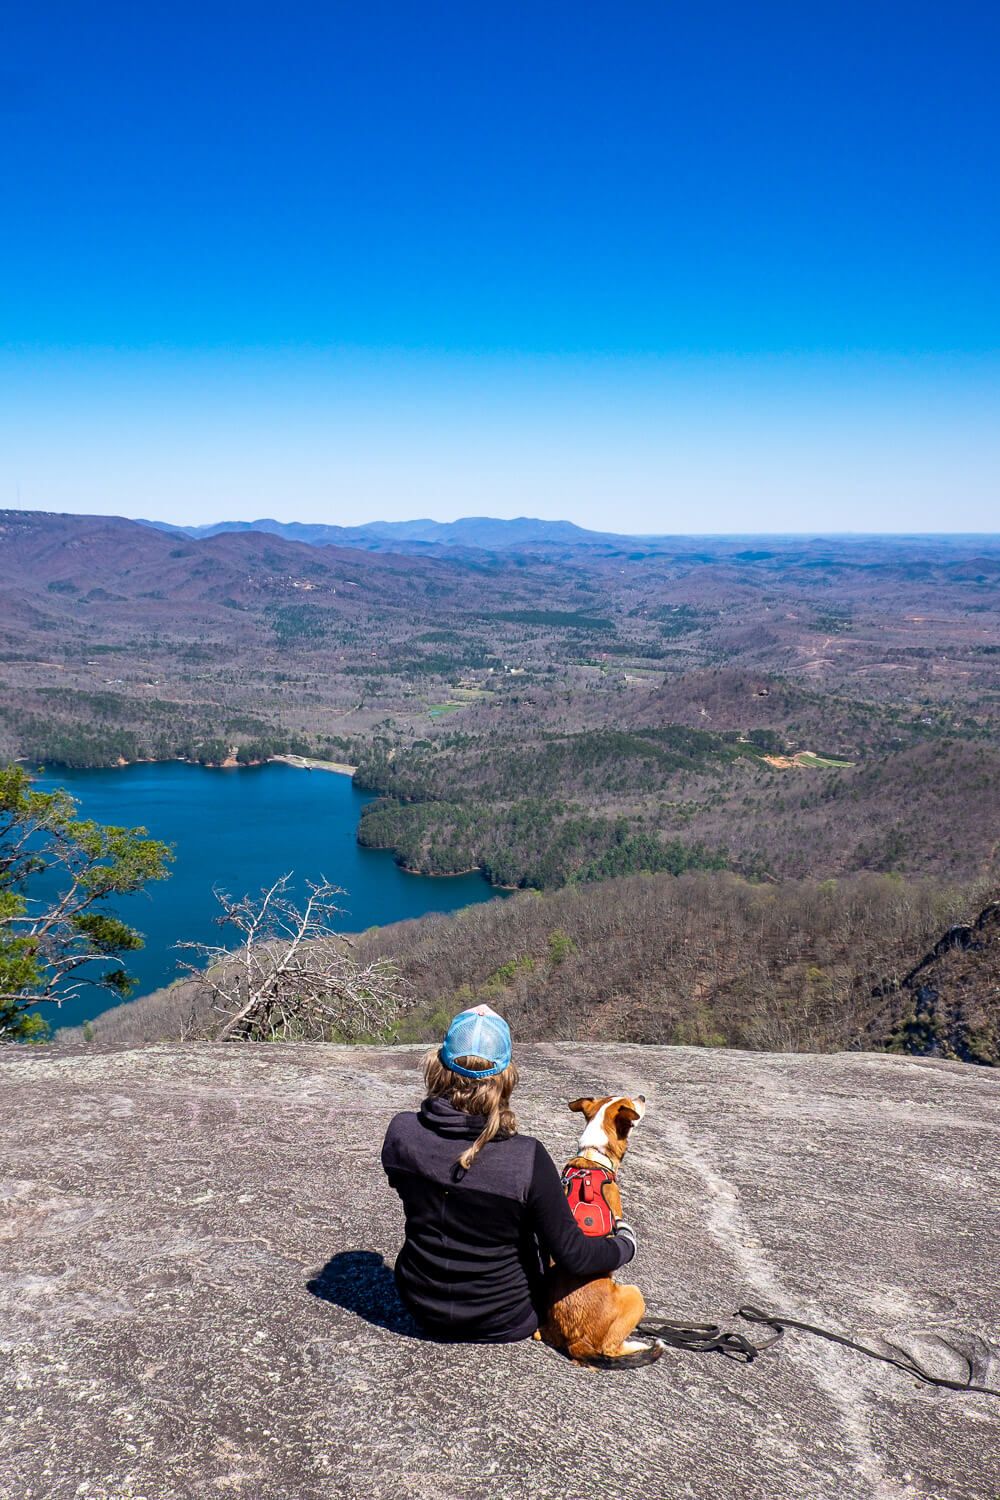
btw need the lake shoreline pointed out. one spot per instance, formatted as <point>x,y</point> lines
<point>297,762</point>
<point>494,885</point>
<point>310,763</point>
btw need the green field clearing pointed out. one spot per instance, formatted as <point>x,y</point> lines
<point>462,697</point>
<point>807,758</point>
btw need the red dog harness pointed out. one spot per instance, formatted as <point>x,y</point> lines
<point>584,1188</point>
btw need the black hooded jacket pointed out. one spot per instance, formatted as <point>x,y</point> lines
<point>477,1242</point>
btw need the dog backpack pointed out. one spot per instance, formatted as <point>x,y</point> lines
<point>584,1189</point>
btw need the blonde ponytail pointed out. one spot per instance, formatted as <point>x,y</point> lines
<point>476,1096</point>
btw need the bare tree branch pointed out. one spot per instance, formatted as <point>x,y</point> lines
<point>292,977</point>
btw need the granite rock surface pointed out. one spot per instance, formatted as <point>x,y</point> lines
<point>195,1297</point>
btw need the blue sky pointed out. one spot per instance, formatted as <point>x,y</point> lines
<point>649,267</point>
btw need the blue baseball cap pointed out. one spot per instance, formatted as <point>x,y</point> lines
<point>477,1033</point>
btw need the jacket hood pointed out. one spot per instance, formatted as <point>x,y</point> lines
<point>444,1119</point>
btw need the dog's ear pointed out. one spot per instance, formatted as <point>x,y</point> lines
<point>625,1117</point>
<point>583,1106</point>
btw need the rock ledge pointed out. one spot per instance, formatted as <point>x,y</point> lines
<point>195,1299</point>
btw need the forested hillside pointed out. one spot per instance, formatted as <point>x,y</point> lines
<point>707,959</point>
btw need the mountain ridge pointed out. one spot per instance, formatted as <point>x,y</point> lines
<point>488,533</point>
<point>493,533</point>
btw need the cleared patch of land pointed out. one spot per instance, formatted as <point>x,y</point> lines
<point>804,758</point>
<point>310,763</point>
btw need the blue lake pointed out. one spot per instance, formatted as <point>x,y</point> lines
<point>240,830</point>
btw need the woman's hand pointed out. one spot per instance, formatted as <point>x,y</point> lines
<point>625,1231</point>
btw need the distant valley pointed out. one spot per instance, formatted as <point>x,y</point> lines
<point>544,704</point>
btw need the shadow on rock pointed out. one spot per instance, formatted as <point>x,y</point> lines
<point>361,1282</point>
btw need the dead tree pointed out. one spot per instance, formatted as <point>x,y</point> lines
<point>292,977</point>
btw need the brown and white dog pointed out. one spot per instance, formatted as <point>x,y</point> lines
<point>592,1319</point>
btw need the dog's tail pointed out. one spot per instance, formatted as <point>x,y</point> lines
<point>635,1353</point>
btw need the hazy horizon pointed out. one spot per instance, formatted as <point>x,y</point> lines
<point>811,533</point>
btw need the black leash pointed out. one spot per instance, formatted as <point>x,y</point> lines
<point>708,1338</point>
<point>703,1338</point>
<point>901,1359</point>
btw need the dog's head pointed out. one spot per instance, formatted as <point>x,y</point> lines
<point>610,1122</point>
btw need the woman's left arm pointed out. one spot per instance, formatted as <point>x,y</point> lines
<point>578,1253</point>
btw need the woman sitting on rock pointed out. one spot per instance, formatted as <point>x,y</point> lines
<point>484,1206</point>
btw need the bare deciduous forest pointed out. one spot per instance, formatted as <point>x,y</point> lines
<point>701,960</point>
